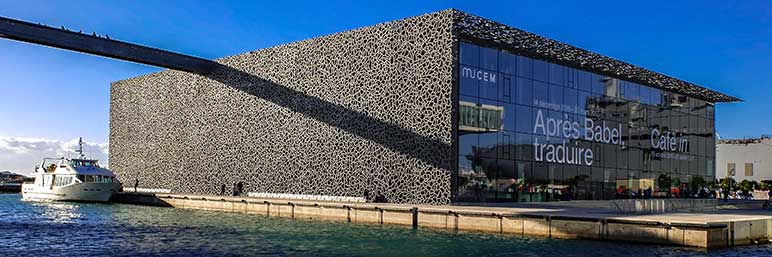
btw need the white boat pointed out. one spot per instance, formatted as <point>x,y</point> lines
<point>78,179</point>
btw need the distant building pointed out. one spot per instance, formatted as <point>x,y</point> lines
<point>744,159</point>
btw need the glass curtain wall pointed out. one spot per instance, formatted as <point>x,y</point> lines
<point>531,130</point>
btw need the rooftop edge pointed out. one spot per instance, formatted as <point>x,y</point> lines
<point>494,34</point>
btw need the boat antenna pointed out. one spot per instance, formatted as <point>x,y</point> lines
<point>80,147</point>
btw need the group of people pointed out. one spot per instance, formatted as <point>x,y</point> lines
<point>686,192</point>
<point>624,193</point>
<point>734,194</point>
<point>480,191</point>
<point>377,198</point>
<point>237,189</point>
<point>675,192</point>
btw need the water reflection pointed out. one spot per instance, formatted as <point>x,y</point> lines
<point>58,212</point>
<point>497,134</point>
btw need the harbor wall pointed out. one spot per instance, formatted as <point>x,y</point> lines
<point>454,218</point>
<point>361,112</point>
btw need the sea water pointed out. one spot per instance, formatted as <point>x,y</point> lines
<point>78,229</point>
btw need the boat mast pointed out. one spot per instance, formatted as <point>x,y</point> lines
<point>80,148</point>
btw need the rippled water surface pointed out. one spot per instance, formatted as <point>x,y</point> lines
<point>77,229</point>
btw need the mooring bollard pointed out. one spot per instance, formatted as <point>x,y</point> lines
<point>415,217</point>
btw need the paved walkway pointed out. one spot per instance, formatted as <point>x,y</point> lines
<point>597,210</point>
<point>577,209</point>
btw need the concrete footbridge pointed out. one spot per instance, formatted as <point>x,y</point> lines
<point>101,45</point>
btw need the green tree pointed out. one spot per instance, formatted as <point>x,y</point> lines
<point>711,185</point>
<point>745,186</point>
<point>763,186</point>
<point>755,185</point>
<point>676,182</point>
<point>728,184</point>
<point>697,182</point>
<point>663,183</point>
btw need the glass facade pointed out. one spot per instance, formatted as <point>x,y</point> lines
<point>530,130</point>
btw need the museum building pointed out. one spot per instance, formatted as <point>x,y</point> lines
<point>439,108</point>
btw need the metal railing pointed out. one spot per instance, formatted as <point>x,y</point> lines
<point>664,205</point>
<point>147,190</point>
<point>307,197</point>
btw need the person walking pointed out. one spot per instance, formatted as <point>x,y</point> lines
<point>136,184</point>
<point>726,194</point>
<point>768,203</point>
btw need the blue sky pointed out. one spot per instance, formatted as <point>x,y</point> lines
<point>723,45</point>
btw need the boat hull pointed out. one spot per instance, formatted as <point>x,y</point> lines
<point>81,192</point>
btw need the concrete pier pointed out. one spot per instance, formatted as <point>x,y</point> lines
<point>719,229</point>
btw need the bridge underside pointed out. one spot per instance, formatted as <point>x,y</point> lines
<point>102,46</point>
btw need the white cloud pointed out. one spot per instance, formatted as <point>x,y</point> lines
<point>20,155</point>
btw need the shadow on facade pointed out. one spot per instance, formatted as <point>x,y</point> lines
<point>392,136</point>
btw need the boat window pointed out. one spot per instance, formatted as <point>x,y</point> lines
<point>60,181</point>
<point>82,178</point>
<point>82,163</point>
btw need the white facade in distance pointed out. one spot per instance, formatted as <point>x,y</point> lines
<point>749,159</point>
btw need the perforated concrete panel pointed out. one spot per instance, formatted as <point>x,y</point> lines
<point>367,110</point>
